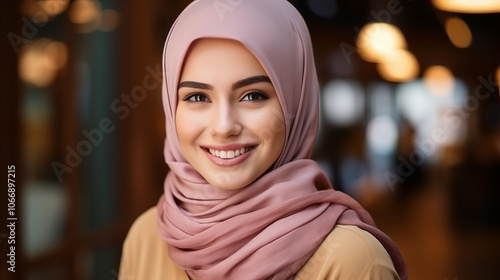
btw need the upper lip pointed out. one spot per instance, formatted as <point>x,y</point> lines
<point>228,147</point>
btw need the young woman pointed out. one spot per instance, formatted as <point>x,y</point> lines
<point>242,199</point>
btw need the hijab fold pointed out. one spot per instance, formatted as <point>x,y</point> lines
<point>270,228</point>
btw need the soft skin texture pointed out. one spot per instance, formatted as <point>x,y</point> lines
<point>227,106</point>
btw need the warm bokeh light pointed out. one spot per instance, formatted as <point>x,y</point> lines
<point>377,41</point>
<point>439,80</point>
<point>58,52</point>
<point>54,7</point>
<point>84,11</point>
<point>43,10</point>
<point>468,6</point>
<point>40,61</point>
<point>87,14</point>
<point>400,66</point>
<point>458,32</point>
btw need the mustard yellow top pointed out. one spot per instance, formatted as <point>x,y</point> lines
<point>348,252</point>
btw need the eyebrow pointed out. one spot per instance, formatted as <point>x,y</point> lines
<point>237,85</point>
<point>192,84</point>
<point>251,80</point>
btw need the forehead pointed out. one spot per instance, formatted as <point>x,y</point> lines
<point>219,57</point>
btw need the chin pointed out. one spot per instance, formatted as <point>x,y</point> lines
<point>229,186</point>
<point>223,181</point>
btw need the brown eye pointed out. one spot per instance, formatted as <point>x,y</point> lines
<point>196,97</point>
<point>255,96</point>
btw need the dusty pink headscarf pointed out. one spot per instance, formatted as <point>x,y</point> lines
<point>269,229</point>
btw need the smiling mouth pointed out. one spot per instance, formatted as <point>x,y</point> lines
<point>230,154</point>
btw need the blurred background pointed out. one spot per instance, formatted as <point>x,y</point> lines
<point>410,126</point>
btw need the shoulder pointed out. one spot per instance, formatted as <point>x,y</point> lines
<point>144,226</point>
<point>144,253</point>
<point>349,252</point>
<point>143,235</point>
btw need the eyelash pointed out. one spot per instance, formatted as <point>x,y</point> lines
<point>261,96</point>
<point>194,94</point>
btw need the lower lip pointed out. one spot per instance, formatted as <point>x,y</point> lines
<point>228,161</point>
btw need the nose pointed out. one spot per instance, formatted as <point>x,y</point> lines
<point>225,120</point>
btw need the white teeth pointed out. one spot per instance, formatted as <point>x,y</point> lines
<point>229,154</point>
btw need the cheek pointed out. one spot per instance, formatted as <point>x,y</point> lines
<point>271,128</point>
<point>188,127</point>
<point>180,127</point>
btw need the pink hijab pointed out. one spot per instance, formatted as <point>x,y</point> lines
<point>269,229</point>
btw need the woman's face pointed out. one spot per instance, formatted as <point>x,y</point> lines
<point>229,120</point>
